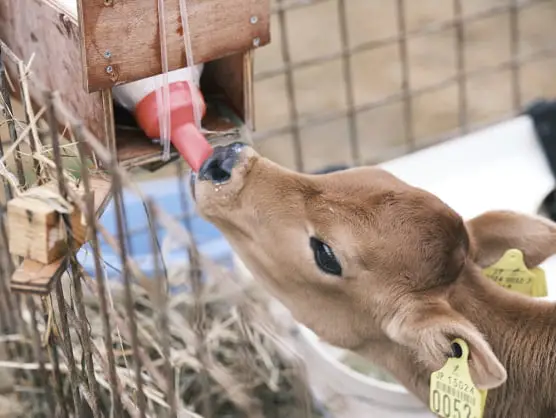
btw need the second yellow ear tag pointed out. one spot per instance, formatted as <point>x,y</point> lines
<point>452,392</point>
<point>512,273</point>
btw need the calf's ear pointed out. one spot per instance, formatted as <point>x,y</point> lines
<point>429,332</point>
<point>493,233</point>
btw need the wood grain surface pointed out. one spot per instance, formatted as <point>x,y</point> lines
<point>43,28</point>
<point>121,43</point>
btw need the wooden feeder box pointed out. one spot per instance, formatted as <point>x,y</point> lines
<point>36,229</point>
<point>82,48</point>
<point>37,276</point>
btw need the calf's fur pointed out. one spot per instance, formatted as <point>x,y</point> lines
<point>411,278</point>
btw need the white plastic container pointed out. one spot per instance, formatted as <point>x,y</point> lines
<point>129,94</point>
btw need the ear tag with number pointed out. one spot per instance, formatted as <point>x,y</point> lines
<point>452,392</point>
<point>512,273</point>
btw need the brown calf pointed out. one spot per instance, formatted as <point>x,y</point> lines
<point>387,270</point>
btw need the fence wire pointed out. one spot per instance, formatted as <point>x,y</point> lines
<point>76,343</point>
<point>60,368</point>
<point>408,94</point>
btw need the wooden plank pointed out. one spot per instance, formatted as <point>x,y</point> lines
<point>136,150</point>
<point>47,30</point>
<point>226,77</point>
<point>38,278</point>
<point>35,228</point>
<point>121,37</point>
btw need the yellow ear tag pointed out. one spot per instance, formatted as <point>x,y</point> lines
<point>512,273</point>
<point>452,392</point>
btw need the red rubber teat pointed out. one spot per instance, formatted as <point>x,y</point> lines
<point>181,109</point>
<point>192,145</point>
<point>186,138</point>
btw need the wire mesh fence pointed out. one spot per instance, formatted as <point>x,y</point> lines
<point>117,337</point>
<point>355,82</point>
<point>81,341</point>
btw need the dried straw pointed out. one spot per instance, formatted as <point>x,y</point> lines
<point>228,356</point>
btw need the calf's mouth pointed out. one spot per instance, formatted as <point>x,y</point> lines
<point>221,177</point>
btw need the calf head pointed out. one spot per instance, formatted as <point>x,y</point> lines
<point>358,256</point>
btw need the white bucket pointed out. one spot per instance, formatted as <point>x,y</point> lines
<point>360,392</point>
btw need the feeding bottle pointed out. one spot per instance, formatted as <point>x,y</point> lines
<point>140,98</point>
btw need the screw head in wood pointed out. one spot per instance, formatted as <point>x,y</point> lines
<point>256,42</point>
<point>254,19</point>
<point>109,69</point>
<point>108,2</point>
<point>107,54</point>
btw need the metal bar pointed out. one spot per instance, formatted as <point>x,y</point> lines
<point>4,327</point>
<point>425,30</point>
<point>68,348</point>
<point>515,50</point>
<point>6,268</point>
<point>75,274</point>
<point>66,340</point>
<point>111,145</point>
<point>197,323</point>
<point>10,119</point>
<point>290,91</point>
<point>109,123</point>
<point>24,351</point>
<point>5,310</point>
<point>8,321</point>
<point>460,66</point>
<point>323,117</point>
<point>85,336</point>
<point>300,4</point>
<point>126,275</point>
<point>294,4</point>
<point>39,355</point>
<point>406,88</point>
<point>8,194</point>
<point>7,189</point>
<point>33,137</point>
<point>162,307</point>
<point>14,302</point>
<point>196,283</point>
<point>348,84</point>
<point>115,388</point>
<point>182,189</point>
<point>59,383</point>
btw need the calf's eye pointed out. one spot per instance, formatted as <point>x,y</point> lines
<point>325,258</point>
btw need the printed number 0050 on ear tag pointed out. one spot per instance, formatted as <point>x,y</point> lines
<point>452,392</point>
<point>512,273</point>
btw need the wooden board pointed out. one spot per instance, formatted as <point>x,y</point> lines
<point>124,35</point>
<point>44,28</point>
<point>35,228</point>
<point>227,77</point>
<point>38,278</point>
<point>135,149</point>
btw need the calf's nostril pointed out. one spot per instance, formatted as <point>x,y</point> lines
<point>219,166</point>
<point>219,171</point>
